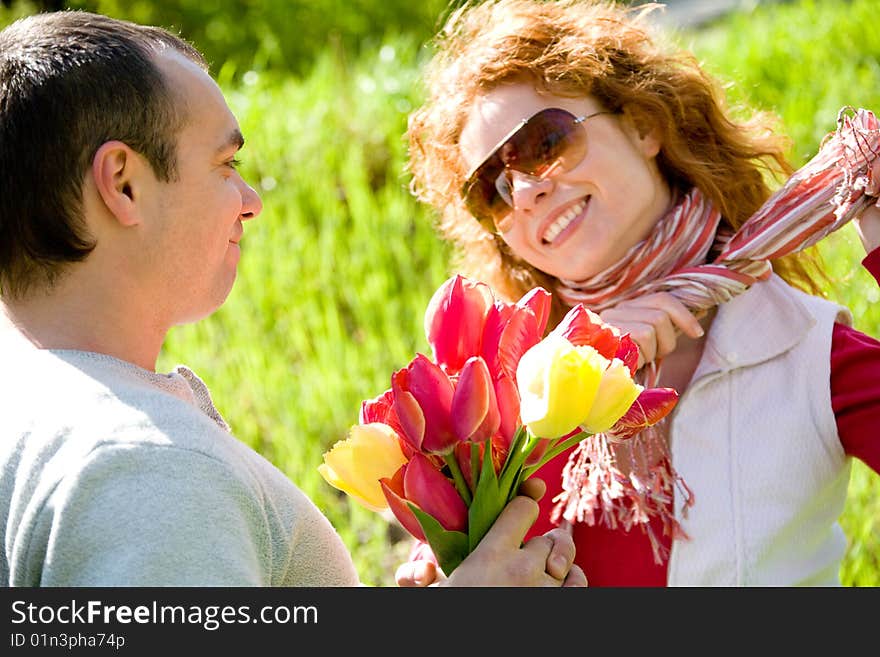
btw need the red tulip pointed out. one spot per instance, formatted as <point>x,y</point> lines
<point>463,453</point>
<point>651,406</point>
<point>422,484</point>
<point>511,329</point>
<point>454,321</point>
<point>475,415</point>
<point>463,456</point>
<point>507,400</point>
<point>538,301</point>
<point>519,335</point>
<point>377,409</point>
<point>423,404</point>
<point>628,352</point>
<point>582,326</point>
<point>381,409</point>
<point>496,319</point>
<point>412,419</point>
<point>507,396</point>
<point>394,495</point>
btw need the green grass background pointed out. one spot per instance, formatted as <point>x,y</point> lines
<point>336,272</point>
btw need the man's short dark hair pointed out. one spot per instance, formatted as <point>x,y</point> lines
<point>69,82</point>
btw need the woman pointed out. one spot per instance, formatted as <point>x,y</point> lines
<point>567,147</point>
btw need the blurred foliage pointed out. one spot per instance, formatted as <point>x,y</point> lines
<point>264,35</point>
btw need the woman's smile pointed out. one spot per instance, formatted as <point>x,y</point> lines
<point>564,223</point>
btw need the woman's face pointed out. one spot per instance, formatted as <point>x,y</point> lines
<point>576,223</point>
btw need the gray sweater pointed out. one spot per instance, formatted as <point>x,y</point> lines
<point>112,475</point>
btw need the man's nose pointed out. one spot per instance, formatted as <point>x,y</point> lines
<point>252,204</point>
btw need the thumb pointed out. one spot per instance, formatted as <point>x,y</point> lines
<point>513,523</point>
<point>533,487</point>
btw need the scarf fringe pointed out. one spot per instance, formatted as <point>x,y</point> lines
<point>595,490</point>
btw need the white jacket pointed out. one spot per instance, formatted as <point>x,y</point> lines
<point>755,438</point>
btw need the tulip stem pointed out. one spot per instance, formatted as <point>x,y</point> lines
<point>457,476</point>
<point>512,453</point>
<point>555,451</point>
<point>512,476</point>
<point>475,462</point>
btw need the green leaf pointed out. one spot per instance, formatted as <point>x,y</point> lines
<point>488,502</point>
<point>450,548</point>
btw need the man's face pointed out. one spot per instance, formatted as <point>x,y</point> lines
<point>196,219</point>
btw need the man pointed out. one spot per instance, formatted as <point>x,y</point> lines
<point>120,217</point>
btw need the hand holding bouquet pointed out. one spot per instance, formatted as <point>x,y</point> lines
<point>447,446</point>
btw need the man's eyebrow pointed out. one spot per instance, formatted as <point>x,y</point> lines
<point>235,139</point>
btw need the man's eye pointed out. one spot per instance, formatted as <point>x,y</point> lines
<point>234,163</point>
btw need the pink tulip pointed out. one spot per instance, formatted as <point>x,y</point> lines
<point>582,326</point>
<point>394,495</point>
<point>463,456</point>
<point>496,319</point>
<point>519,335</point>
<point>412,419</point>
<point>507,396</point>
<point>538,301</point>
<point>381,409</point>
<point>430,490</point>
<point>463,453</point>
<point>377,409</point>
<point>651,406</point>
<point>511,329</point>
<point>423,404</point>
<point>475,415</point>
<point>628,352</point>
<point>454,321</point>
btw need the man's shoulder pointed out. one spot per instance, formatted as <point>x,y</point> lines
<point>67,407</point>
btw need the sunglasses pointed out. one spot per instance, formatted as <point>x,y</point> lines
<point>549,142</point>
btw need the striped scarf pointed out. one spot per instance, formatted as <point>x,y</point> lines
<point>819,198</point>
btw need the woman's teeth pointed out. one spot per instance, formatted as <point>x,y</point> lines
<point>563,221</point>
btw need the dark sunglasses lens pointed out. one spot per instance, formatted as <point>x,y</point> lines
<point>481,197</point>
<point>550,138</point>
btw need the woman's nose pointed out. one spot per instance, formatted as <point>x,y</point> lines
<point>527,190</point>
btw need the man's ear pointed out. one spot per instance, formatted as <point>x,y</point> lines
<point>118,174</point>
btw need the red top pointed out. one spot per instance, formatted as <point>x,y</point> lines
<point>855,398</point>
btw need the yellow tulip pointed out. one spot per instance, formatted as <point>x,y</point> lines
<point>355,465</point>
<point>616,394</point>
<point>557,384</point>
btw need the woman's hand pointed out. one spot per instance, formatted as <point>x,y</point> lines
<point>654,322</point>
<point>868,223</point>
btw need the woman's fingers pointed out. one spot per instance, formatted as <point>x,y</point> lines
<point>416,574</point>
<point>654,322</point>
<point>561,557</point>
<point>873,187</point>
<point>576,577</point>
<point>868,223</point>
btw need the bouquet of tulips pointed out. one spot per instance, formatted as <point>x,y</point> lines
<point>447,446</point>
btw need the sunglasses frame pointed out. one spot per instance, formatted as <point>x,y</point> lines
<point>490,223</point>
